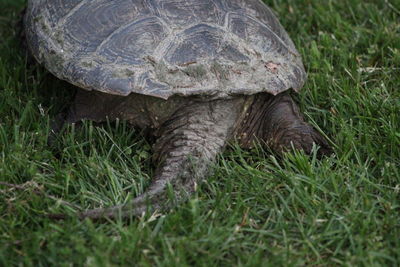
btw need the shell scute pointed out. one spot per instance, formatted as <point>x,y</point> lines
<point>187,12</point>
<point>198,42</point>
<point>258,34</point>
<point>95,21</point>
<point>260,12</point>
<point>135,42</point>
<point>58,9</point>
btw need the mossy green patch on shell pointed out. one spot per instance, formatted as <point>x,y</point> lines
<point>221,71</point>
<point>198,72</point>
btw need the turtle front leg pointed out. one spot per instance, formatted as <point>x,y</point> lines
<point>282,126</point>
<point>188,144</point>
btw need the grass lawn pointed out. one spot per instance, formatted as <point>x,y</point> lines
<point>256,208</point>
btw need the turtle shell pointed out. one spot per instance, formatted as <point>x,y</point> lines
<point>161,48</point>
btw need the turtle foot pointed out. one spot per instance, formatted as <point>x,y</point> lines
<point>300,137</point>
<point>285,128</point>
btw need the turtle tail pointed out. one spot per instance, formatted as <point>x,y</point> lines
<point>188,144</point>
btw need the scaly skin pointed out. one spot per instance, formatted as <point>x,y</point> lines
<point>278,123</point>
<point>191,132</point>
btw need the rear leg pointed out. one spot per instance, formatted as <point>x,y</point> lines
<point>189,142</point>
<point>283,126</point>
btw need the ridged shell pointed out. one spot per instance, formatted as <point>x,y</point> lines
<point>162,48</point>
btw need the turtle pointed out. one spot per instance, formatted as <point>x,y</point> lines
<point>197,75</point>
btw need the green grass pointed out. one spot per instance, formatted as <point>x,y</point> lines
<point>256,208</point>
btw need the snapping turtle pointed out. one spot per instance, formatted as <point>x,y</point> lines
<point>195,73</point>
